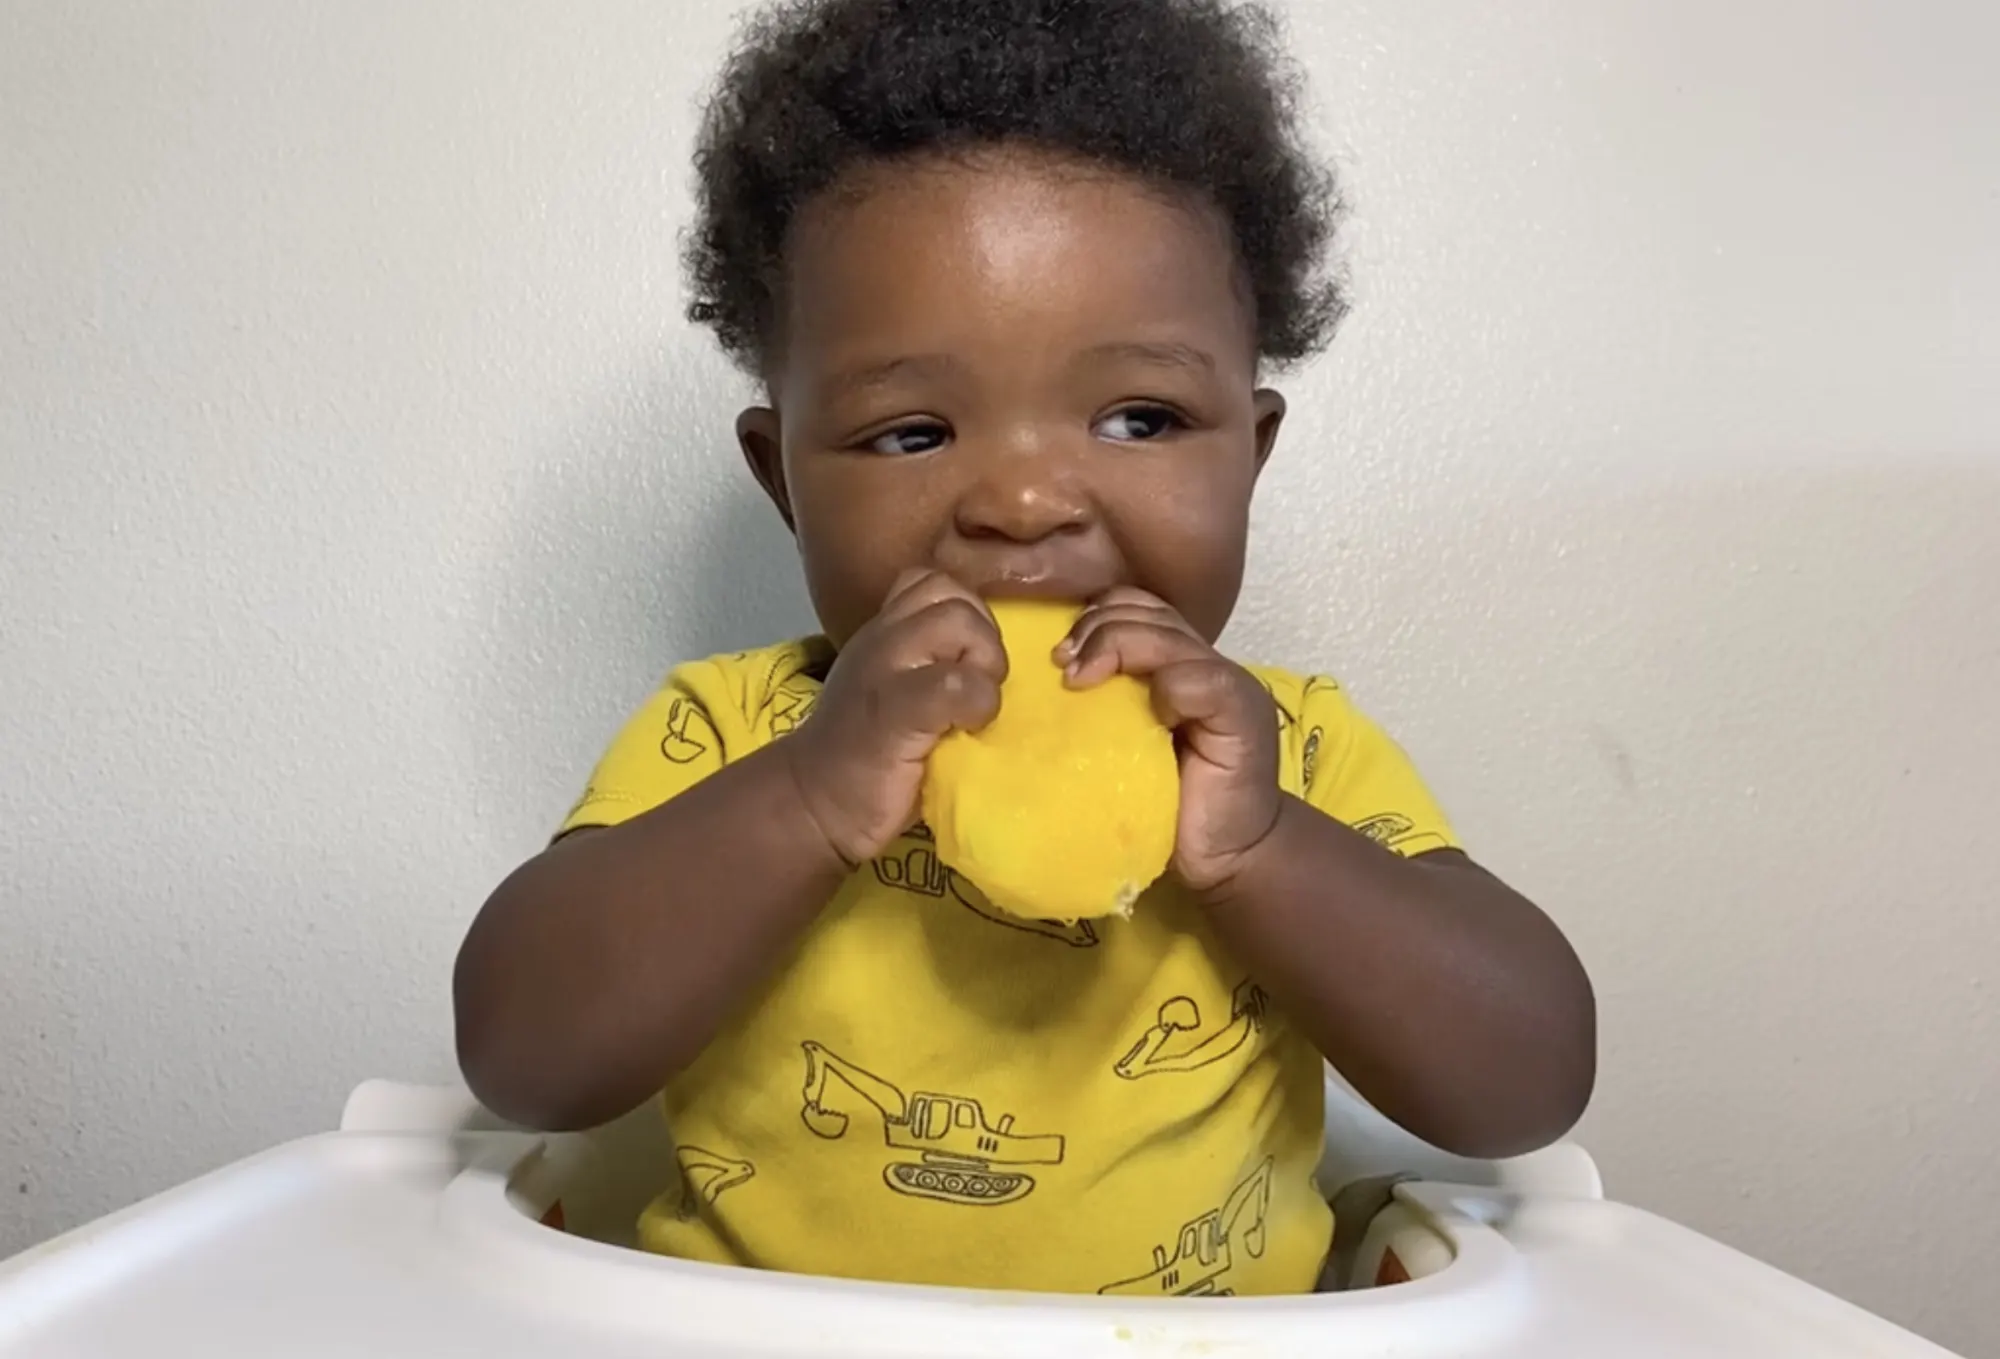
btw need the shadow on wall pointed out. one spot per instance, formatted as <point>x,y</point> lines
<point>638,541</point>
<point>1738,733</point>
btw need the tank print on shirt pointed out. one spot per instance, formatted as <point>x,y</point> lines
<point>960,1158</point>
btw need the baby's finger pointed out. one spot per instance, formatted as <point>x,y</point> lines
<point>954,629</point>
<point>1127,594</point>
<point>919,587</point>
<point>1214,695</point>
<point>1142,610</point>
<point>1223,716</point>
<point>1131,647</point>
<point>925,703</point>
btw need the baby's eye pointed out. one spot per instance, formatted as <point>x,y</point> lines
<point>906,440</point>
<point>1137,424</point>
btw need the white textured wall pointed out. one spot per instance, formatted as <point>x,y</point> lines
<point>358,476</point>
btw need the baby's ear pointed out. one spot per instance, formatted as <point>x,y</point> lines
<point>760,434</point>
<point>1270,408</point>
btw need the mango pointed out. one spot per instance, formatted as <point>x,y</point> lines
<point>1065,806</point>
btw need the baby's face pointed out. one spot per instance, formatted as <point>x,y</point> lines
<point>1038,378</point>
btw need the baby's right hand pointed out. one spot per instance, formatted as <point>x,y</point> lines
<point>930,662</point>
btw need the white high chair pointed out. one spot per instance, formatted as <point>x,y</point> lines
<point>608,1175</point>
<point>422,1227</point>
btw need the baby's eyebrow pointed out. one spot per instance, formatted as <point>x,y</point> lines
<point>867,376</point>
<point>1161,354</point>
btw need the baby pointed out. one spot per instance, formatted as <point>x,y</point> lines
<point>1007,274</point>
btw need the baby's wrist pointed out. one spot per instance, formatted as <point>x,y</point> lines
<point>815,806</point>
<point>826,794</point>
<point>1241,875</point>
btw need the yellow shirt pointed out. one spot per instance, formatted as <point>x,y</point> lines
<point>929,1091</point>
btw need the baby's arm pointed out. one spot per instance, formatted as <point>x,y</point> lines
<point>1451,1002</point>
<point>605,965</point>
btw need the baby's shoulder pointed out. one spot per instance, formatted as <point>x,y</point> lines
<point>1299,693</point>
<point>772,686</point>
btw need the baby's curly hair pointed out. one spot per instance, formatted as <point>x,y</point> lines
<point>1194,95</point>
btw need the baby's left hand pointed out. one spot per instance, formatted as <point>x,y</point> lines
<point>1226,723</point>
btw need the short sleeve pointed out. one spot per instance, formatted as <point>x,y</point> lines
<point>680,736</point>
<point>1356,774</point>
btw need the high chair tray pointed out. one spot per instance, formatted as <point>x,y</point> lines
<point>427,1244</point>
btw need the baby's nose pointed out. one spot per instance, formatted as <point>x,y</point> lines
<point>1023,500</point>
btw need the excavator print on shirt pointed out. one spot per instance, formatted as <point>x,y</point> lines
<point>912,865</point>
<point>791,703</point>
<point>1206,1253</point>
<point>705,1177</point>
<point>1393,830</point>
<point>689,735</point>
<point>960,1159</point>
<point>1285,719</point>
<point>1163,1050</point>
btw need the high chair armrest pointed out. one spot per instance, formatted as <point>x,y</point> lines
<point>1362,1145</point>
<point>380,1106</point>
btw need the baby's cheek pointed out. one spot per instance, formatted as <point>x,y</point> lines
<point>849,574</point>
<point>1190,553</point>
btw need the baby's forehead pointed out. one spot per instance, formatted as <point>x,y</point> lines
<point>1013,188</point>
<point>1014,249</point>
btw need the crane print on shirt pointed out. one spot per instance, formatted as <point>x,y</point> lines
<point>1207,1250</point>
<point>960,1158</point>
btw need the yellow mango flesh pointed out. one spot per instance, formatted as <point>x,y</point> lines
<point>1064,807</point>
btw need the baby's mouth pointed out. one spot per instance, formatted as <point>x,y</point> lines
<point>1070,570</point>
<point>1031,584</point>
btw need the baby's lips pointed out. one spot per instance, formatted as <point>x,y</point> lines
<point>1052,587</point>
<point>1036,571</point>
